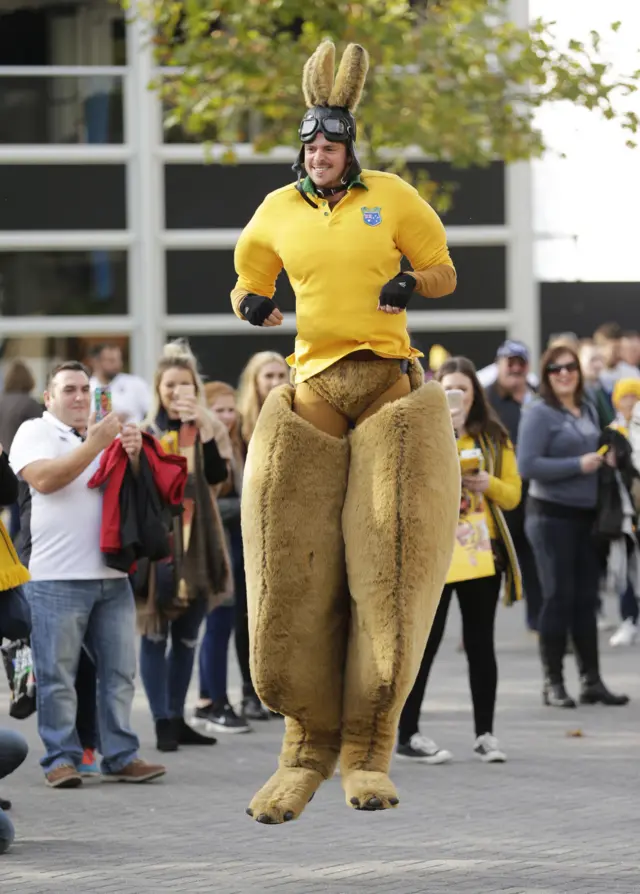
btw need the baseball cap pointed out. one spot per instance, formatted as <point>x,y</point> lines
<point>511,348</point>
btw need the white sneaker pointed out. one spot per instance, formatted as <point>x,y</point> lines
<point>422,750</point>
<point>488,749</point>
<point>625,635</point>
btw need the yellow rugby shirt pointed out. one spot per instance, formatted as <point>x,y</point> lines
<point>337,262</point>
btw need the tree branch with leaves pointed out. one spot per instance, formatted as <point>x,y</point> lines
<point>456,81</point>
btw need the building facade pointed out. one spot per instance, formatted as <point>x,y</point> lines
<point>110,229</point>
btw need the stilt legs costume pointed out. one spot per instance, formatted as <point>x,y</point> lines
<point>351,491</point>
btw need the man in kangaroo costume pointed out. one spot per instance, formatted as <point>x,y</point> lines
<point>352,482</point>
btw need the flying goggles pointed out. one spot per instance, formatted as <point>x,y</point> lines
<point>337,124</point>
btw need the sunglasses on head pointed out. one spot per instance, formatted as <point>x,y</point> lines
<point>555,369</point>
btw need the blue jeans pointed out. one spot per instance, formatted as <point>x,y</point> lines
<point>101,614</point>
<point>214,654</point>
<point>13,751</point>
<point>166,677</point>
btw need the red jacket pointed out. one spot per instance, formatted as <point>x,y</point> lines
<point>169,474</point>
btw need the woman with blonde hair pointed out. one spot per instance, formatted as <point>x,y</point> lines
<point>178,592</point>
<point>214,710</point>
<point>264,372</point>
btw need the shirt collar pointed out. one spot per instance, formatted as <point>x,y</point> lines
<point>309,186</point>
<point>60,425</point>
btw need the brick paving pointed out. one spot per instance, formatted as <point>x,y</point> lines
<point>560,818</point>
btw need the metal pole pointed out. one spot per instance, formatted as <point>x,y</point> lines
<point>523,294</point>
<point>147,301</point>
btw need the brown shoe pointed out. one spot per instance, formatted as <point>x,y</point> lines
<point>64,776</point>
<point>137,771</point>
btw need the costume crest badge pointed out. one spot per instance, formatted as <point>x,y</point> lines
<point>372,216</point>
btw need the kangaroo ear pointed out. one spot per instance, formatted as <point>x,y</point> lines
<point>318,74</point>
<point>350,79</point>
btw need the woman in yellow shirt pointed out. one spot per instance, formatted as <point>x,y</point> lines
<point>478,429</point>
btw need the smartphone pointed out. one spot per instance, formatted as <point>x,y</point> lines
<point>602,451</point>
<point>185,392</point>
<point>102,402</point>
<point>455,398</point>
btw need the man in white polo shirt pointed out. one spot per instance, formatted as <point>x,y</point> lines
<point>74,597</point>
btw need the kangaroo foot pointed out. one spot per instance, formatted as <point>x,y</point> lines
<point>369,790</point>
<point>285,795</point>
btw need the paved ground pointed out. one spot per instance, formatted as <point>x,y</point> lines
<point>560,818</point>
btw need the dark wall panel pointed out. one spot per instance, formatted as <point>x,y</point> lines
<point>478,193</point>
<point>224,356</point>
<point>482,280</point>
<point>581,307</point>
<point>204,196</point>
<point>62,197</point>
<point>200,282</point>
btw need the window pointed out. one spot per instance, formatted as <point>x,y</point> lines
<point>200,282</point>
<point>224,357</point>
<point>41,33</point>
<point>35,110</point>
<point>42,352</point>
<point>479,196</point>
<point>217,195</point>
<point>482,280</point>
<point>62,197</point>
<point>56,283</point>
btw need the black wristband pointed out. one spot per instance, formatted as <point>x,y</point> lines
<point>256,309</point>
<point>398,290</point>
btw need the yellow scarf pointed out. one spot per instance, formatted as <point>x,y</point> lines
<point>12,571</point>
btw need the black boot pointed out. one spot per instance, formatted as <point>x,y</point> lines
<point>552,649</point>
<point>187,735</point>
<point>253,709</point>
<point>593,691</point>
<point>166,738</point>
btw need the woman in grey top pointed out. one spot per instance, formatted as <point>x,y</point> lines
<point>557,452</point>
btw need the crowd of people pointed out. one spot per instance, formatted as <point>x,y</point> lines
<point>551,464</point>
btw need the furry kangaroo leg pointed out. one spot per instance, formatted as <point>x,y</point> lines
<point>295,483</point>
<point>399,523</point>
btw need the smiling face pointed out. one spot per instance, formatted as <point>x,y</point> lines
<point>325,161</point>
<point>564,376</point>
<point>69,398</point>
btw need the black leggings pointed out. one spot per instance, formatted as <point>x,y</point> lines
<point>242,625</point>
<point>478,601</point>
